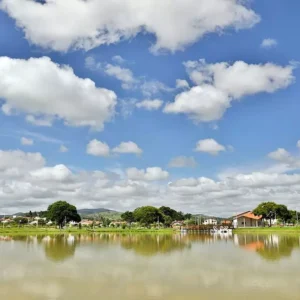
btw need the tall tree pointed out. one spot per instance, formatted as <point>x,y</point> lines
<point>61,211</point>
<point>127,216</point>
<point>267,210</point>
<point>147,215</point>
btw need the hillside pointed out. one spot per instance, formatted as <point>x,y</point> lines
<point>90,211</point>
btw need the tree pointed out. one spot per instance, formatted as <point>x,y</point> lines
<point>267,210</point>
<point>128,216</point>
<point>283,213</point>
<point>187,216</point>
<point>61,211</point>
<point>147,215</point>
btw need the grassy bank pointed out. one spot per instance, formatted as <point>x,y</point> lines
<point>49,231</point>
<point>283,230</point>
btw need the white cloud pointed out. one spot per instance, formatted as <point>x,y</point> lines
<point>219,84</point>
<point>39,121</point>
<point>63,149</point>
<point>26,142</point>
<point>268,43</point>
<point>182,162</point>
<point>88,24</point>
<point>150,104</point>
<point>20,160</point>
<point>201,103</point>
<point>45,91</point>
<point>182,84</point>
<point>122,74</point>
<point>127,78</point>
<point>298,144</point>
<point>128,147</point>
<point>150,174</point>
<point>152,87</point>
<point>281,155</point>
<point>56,173</point>
<point>28,183</point>
<point>118,59</point>
<point>209,146</point>
<point>97,148</point>
<point>39,136</point>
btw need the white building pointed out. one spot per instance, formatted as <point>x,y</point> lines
<point>210,222</point>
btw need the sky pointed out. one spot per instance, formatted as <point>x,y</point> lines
<point>191,104</point>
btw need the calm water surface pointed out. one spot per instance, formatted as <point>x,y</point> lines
<point>141,266</point>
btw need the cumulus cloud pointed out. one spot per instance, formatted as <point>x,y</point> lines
<point>182,162</point>
<point>123,74</point>
<point>63,149</point>
<point>88,24</point>
<point>118,59</point>
<point>268,43</point>
<point>40,121</point>
<point>56,173</point>
<point>219,84</point>
<point>152,87</point>
<point>150,174</point>
<point>209,146</point>
<point>150,104</point>
<point>97,148</point>
<point>128,81</point>
<point>28,182</point>
<point>128,147</point>
<point>47,91</point>
<point>26,142</point>
<point>182,84</point>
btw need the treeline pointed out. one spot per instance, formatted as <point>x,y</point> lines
<point>271,211</point>
<point>147,215</point>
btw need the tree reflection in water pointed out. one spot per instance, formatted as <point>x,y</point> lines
<point>149,244</point>
<point>60,247</point>
<point>270,247</point>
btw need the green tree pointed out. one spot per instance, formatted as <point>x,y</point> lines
<point>128,216</point>
<point>187,216</point>
<point>283,213</point>
<point>61,211</point>
<point>267,210</point>
<point>147,215</point>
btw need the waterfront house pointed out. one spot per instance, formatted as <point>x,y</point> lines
<point>210,222</point>
<point>177,224</point>
<point>247,219</point>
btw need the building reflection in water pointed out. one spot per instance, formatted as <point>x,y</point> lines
<point>270,247</point>
<point>61,247</point>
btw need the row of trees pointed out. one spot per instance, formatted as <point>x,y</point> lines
<point>147,215</point>
<point>271,211</point>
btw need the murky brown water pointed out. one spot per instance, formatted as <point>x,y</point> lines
<point>141,266</point>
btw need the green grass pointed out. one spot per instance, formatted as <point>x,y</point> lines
<point>49,231</point>
<point>291,229</point>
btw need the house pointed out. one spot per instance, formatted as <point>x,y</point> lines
<point>226,223</point>
<point>247,219</point>
<point>85,222</point>
<point>177,224</point>
<point>210,222</point>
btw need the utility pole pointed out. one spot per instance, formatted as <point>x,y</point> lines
<point>297,218</point>
<point>158,221</point>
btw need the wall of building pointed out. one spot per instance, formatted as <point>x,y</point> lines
<point>247,222</point>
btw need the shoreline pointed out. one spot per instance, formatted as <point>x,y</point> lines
<point>53,231</point>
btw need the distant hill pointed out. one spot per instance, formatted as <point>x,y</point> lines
<point>204,217</point>
<point>95,213</point>
<point>90,211</point>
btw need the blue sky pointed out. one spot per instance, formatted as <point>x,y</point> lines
<point>219,144</point>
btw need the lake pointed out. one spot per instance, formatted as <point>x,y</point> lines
<point>150,266</point>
